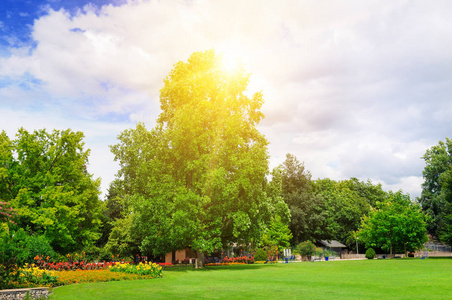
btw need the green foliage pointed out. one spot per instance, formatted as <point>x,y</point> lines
<point>198,178</point>
<point>112,210</point>
<point>260,255</point>
<point>319,252</point>
<point>122,240</point>
<point>346,202</point>
<point>43,176</point>
<point>278,234</point>
<point>13,253</point>
<point>395,223</point>
<point>307,248</point>
<point>328,253</point>
<point>370,253</point>
<point>38,245</point>
<point>436,198</point>
<point>307,210</point>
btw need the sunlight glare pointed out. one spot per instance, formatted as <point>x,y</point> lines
<point>232,58</point>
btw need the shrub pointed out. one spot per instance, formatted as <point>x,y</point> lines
<point>329,253</point>
<point>38,245</point>
<point>307,248</point>
<point>370,253</point>
<point>92,253</point>
<point>104,254</point>
<point>319,252</point>
<point>260,255</point>
<point>13,253</point>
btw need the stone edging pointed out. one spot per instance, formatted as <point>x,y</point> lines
<point>34,293</point>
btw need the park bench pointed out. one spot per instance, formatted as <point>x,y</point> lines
<point>271,260</point>
<point>316,258</point>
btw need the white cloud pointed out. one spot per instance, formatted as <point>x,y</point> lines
<point>352,88</point>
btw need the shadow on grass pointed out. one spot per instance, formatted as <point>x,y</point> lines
<point>219,268</point>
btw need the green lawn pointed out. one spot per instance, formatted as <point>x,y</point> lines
<point>365,279</point>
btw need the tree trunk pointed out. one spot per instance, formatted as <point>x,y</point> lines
<point>173,257</point>
<point>200,258</point>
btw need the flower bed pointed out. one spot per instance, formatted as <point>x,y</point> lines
<point>225,264</point>
<point>44,263</point>
<point>148,269</point>
<point>240,259</point>
<point>55,274</point>
<point>32,276</point>
<point>82,276</point>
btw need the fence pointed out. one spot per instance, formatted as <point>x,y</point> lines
<point>439,248</point>
<point>353,256</point>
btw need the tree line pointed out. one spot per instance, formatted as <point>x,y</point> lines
<point>200,178</point>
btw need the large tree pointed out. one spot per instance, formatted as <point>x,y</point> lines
<point>436,198</point>
<point>394,224</point>
<point>344,208</point>
<point>43,175</point>
<point>307,209</point>
<point>198,178</point>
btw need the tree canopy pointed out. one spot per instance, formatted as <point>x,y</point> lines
<point>198,178</point>
<point>394,224</point>
<point>44,177</point>
<point>436,198</point>
<point>307,209</point>
<point>346,202</point>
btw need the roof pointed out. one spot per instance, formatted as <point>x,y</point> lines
<point>332,244</point>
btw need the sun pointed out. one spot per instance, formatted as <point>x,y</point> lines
<point>232,57</point>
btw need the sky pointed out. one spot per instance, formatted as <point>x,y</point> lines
<point>352,88</point>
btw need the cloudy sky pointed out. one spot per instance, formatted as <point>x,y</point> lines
<point>352,88</point>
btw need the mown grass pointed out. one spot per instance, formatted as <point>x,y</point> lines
<point>366,279</point>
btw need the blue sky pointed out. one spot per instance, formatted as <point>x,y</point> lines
<point>352,88</point>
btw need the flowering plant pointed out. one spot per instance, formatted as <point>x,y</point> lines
<point>43,263</point>
<point>31,275</point>
<point>150,269</point>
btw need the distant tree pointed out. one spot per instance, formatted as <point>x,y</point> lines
<point>307,210</point>
<point>43,176</point>
<point>112,209</point>
<point>344,208</point>
<point>278,234</point>
<point>372,193</point>
<point>394,224</point>
<point>436,198</point>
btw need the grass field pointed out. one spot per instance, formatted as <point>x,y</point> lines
<point>364,279</point>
